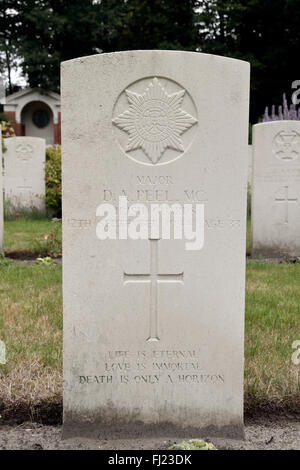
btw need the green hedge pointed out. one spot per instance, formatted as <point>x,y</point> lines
<point>53,181</point>
<point>7,130</point>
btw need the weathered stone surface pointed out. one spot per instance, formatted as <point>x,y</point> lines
<point>153,333</point>
<point>24,172</point>
<point>276,189</point>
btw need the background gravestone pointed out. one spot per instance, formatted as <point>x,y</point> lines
<point>276,189</point>
<point>24,172</point>
<point>153,333</point>
<point>1,194</point>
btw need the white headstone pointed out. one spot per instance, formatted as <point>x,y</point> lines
<point>153,332</point>
<point>1,196</point>
<point>276,189</point>
<point>24,172</point>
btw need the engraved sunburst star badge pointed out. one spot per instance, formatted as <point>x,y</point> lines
<point>154,121</point>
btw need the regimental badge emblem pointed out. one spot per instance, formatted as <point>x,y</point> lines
<point>286,145</point>
<point>24,152</point>
<point>155,121</point>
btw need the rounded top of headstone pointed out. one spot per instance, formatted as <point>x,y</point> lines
<point>154,101</point>
<point>24,146</point>
<point>279,123</point>
<point>114,57</point>
<point>25,139</point>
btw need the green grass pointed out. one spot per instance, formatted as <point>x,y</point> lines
<point>21,235</point>
<point>31,327</point>
<point>272,324</point>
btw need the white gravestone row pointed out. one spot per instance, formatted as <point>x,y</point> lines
<point>1,196</point>
<point>153,333</point>
<point>24,172</point>
<point>276,189</point>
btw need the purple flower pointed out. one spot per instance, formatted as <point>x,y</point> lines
<point>285,112</point>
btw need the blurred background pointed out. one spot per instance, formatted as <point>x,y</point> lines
<point>36,35</point>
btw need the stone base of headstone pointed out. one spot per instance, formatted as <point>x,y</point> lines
<point>101,429</point>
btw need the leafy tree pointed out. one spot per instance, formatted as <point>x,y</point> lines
<point>8,43</point>
<point>46,32</point>
<point>265,33</point>
<point>51,31</point>
<point>158,24</point>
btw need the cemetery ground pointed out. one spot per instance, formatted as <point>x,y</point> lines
<point>31,327</point>
<point>26,238</point>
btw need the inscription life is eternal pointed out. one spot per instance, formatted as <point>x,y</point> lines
<point>153,367</point>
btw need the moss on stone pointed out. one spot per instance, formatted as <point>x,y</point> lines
<point>193,444</point>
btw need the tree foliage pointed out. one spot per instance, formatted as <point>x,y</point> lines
<point>265,33</point>
<point>46,32</point>
<point>8,43</point>
<point>51,31</point>
<point>158,24</point>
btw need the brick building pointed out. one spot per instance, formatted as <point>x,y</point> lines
<point>35,113</point>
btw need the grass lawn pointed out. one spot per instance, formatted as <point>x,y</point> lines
<point>20,234</point>
<point>25,235</point>
<point>31,327</point>
<point>272,324</point>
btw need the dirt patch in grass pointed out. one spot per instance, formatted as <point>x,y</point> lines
<point>32,392</point>
<point>26,255</point>
<point>21,255</point>
<point>44,412</point>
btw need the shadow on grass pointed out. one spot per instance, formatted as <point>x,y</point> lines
<point>44,412</point>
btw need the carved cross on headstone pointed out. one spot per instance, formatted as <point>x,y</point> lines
<point>286,200</point>
<point>154,278</point>
<point>25,188</point>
